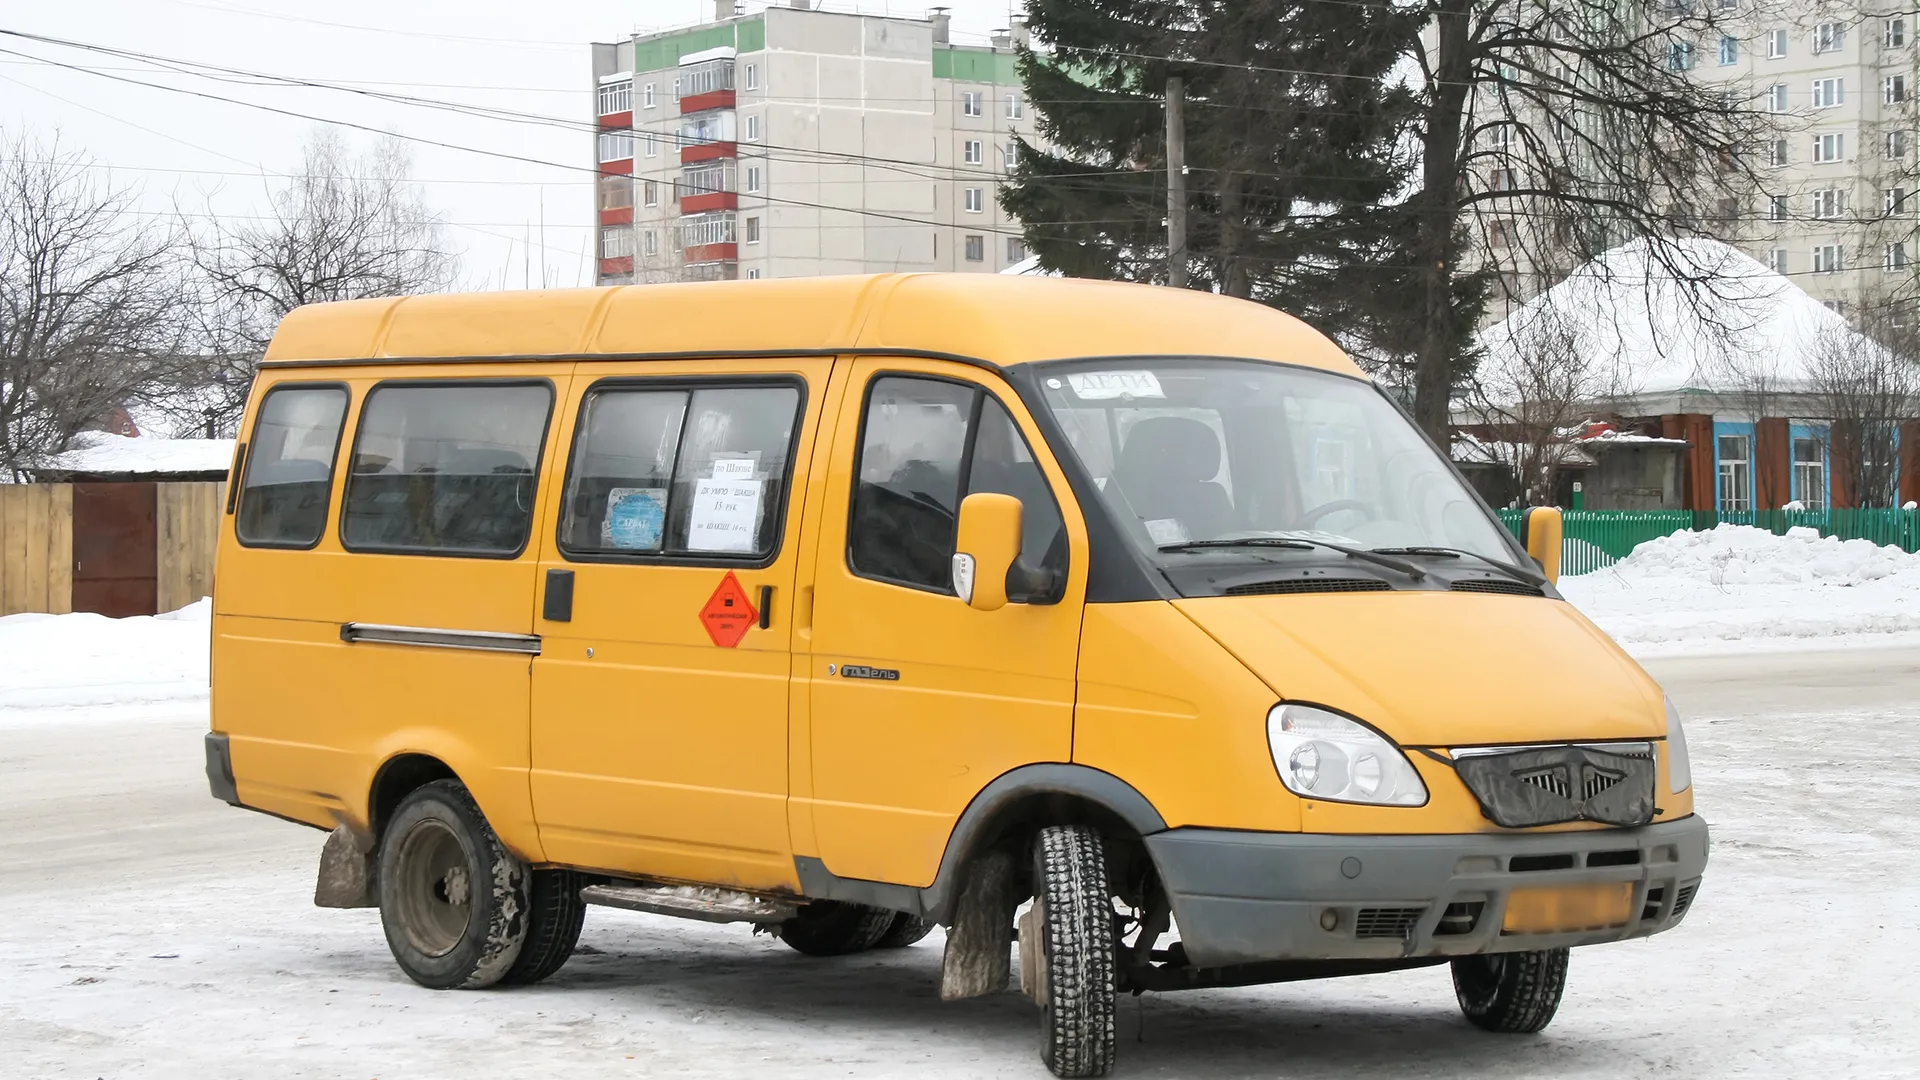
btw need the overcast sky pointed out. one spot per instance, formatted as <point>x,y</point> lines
<point>198,152</point>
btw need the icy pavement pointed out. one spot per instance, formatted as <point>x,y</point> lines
<point>153,932</point>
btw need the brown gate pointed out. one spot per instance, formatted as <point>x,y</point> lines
<point>114,545</point>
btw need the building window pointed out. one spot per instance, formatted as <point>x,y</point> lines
<point>976,249</point>
<point>616,145</point>
<point>1736,475</point>
<point>1829,37</point>
<point>1838,307</point>
<point>616,242</point>
<point>652,189</point>
<point>1893,200</point>
<point>753,274</point>
<point>1680,56</point>
<point>699,230</point>
<point>616,192</point>
<point>650,243</point>
<point>646,96</point>
<point>1499,136</point>
<point>289,470</point>
<point>1729,50</point>
<point>1011,155</point>
<point>1829,93</point>
<point>616,97</point>
<point>1781,154</point>
<point>1777,98</point>
<point>1777,260</point>
<point>651,140</point>
<point>445,469</point>
<point>1829,147</point>
<point>976,200</point>
<point>753,76</point>
<point>1499,234</point>
<point>706,178</point>
<point>1896,256</point>
<point>753,230</point>
<point>676,89</point>
<point>1504,180</point>
<point>1810,473</point>
<point>1826,259</point>
<point>1016,250</point>
<point>702,128</point>
<point>1776,208</point>
<point>1894,89</point>
<point>1776,44</point>
<point>753,128</point>
<point>1896,144</point>
<point>973,152</point>
<point>708,76</point>
<point>753,178</point>
<point>1829,202</point>
<point>970,103</point>
<point>1015,109</point>
<point>1729,5</point>
<point>1896,33</point>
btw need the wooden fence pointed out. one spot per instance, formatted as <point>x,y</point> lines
<point>116,548</point>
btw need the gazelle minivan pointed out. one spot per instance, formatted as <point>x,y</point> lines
<point>849,607</point>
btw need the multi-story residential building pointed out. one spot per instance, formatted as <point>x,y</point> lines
<point>797,142</point>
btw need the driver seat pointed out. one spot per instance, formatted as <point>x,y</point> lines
<point>1166,470</point>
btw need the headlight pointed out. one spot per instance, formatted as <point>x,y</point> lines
<point>1679,767</point>
<point>1323,755</point>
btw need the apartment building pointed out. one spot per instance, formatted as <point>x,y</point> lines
<point>796,142</point>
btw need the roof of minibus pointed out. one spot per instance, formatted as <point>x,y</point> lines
<point>998,319</point>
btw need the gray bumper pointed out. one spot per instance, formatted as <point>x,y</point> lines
<point>1246,897</point>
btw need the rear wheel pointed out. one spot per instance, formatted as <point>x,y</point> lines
<point>453,900</point>
<point>1074,966</point>
<point>836,928</point>
<point>1516,992</point>
<point>555,916</point>
<point>904,931</point>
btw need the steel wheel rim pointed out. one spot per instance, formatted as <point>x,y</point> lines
<point>436,888</point>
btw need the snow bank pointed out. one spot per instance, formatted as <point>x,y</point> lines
<point>101,452</point>
<point>1737,588</point>
<point>84,661</point>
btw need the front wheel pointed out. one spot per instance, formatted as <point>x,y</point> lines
<point>1073,967</point>
<point>453,901</point>
<point>904,931</point>
<point>1511,993</point>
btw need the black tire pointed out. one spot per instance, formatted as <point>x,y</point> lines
<point>836,928</point>
<point>453,901</point>
<point>904,931</point>
<point>555,914</point>
<point>1076,962</point>
<point>1511,993</point>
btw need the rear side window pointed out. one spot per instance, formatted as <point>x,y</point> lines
<point>680,471</point>
<point>925,445</point>
<point>289,467</point>
<point>446,469</point>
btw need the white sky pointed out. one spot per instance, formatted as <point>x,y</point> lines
<point>528,57</point>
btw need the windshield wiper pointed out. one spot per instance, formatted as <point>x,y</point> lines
<point>1453,553</point>
<point>1299,543</point>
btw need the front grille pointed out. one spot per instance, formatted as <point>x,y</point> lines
<point>1554,784</point>
<point>1497,585</point>
<point>1614,858</point>
<point>1651,911</point>
<point>1459,918</point>
<point>1308,585</point>
<point>1526,864</point>
<point>1390,922</point>
<point>1684,898</point>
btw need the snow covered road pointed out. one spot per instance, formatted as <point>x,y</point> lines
<point>152,932</point>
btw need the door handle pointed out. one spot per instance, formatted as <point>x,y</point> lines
<point>766,607</point>
<point>557,605</point>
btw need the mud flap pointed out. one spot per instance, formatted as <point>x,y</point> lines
<point>979,956</point>
<point>346,873</point>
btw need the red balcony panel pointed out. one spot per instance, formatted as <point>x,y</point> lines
<point>619,216</point>
<point>713,99</point>
<point>617,120</point>
<point>711,253</point>
<point>709,151</point>
<point>709,200</point>
<point>621,265</point>
<point>622,167</point>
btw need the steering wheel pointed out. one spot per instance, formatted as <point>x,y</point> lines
<point>1334,507</point>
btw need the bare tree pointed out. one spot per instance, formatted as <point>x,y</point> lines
<point>1534,390</point>
<point>1866,384</point>
<point>346,226</point>
<point>89,301</point>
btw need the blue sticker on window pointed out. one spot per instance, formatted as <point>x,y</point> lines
<point>636,519</point>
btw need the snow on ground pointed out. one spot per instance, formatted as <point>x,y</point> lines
<point>104,452</point>
<point>1738,588</point>
<point>72,664</point>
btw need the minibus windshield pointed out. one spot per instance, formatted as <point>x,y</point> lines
<point>1186,451</point>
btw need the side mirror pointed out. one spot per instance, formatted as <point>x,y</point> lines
<point>1543,529</point>
<point>986,544</point>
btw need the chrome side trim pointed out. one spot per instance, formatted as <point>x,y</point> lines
<point>1626,748</point>
<point>430,638</point>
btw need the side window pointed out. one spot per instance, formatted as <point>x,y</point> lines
<point>445,469</point>
<point>925,445</point>
<point>289,467</point>
<point>686,471</point>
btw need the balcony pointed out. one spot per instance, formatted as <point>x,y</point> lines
<point>707,186</point>
<point>706,85</point>
<point>708,237</point>
<point>708,136</point>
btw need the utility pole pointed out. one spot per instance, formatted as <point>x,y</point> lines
<point>1176,184</point>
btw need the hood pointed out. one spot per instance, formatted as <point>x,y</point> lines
<point>1441,668</point>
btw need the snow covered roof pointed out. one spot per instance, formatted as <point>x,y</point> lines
<point>1028,267</point>
<point>721,52</point>
<point>1660,331</point>
<point>98,453</point>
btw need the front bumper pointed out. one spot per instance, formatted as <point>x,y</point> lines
<point>1247,897</point>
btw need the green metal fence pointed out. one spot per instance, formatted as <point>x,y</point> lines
<point>1596,539</point>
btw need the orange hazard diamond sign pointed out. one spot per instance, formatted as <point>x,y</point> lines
<point>728,614</point>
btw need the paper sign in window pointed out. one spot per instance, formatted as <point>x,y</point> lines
<point>725,515</point>
<point>741,468</point>
<point>1104,385</point>
<point>636,519</point>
